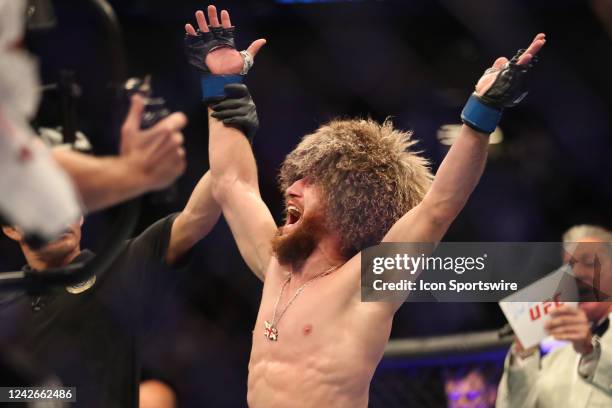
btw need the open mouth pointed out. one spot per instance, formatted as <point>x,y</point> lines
<point>294,214</point>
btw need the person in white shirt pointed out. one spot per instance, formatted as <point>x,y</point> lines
<point>580,373</point>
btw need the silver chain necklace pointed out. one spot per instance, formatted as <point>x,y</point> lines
<point>270,329</point>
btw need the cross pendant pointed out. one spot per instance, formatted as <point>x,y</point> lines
<point>271,332</point>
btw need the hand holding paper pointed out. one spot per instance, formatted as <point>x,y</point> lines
<point>527,317</point>
<point>571,324</point>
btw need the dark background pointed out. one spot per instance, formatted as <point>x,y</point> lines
<point>416,61</point>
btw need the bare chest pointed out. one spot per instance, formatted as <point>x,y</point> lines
<point>308,352</point>
<point>300,315</point>
<point>318,349</point>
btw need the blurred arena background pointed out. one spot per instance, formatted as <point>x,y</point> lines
<point>416,61</point>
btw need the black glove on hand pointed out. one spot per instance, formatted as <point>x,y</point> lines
<point>483,113</point>
<point>238,110</point>
<point>507,89</point>
<point>198,46</point>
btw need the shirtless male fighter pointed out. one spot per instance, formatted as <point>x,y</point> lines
<point>349,185</point>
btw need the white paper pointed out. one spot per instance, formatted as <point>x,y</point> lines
<point>527,316</point>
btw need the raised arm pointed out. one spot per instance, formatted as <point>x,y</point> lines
<point>499,87</point>
<point>462,167</point>
<point>195,221</point>
<point>233,170</point>
<point>237,192</point>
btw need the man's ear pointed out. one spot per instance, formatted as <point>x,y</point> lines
<point>12,233</point>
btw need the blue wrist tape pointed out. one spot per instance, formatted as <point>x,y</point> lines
<point>212,86</point>
<point>479,116</point>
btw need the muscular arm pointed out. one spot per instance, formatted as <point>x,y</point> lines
<point>461,168</point>
<point>195,221</point>
<point>463,165</point>
<point>454,182</point>
<point>235,188</point>
<point>232,165</point>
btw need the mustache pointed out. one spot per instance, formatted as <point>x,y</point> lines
<point>296,246</point>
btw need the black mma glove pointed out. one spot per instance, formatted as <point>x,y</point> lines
<point>198,46</point>
<point>238,110</point>
<point>483,113</point>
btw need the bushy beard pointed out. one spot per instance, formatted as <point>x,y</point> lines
<point>295,247</point>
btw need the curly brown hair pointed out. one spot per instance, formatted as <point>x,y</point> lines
<point>368,174</point>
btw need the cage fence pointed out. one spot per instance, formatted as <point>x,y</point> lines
<point>411,373</point>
